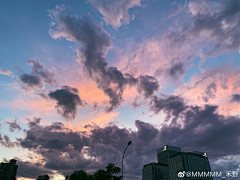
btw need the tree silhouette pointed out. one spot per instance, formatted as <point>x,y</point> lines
<point>111,173</point>
<point>81,175</point>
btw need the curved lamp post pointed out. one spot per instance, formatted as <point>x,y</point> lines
<point>130,142</point>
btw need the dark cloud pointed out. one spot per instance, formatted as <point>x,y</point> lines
<point>171,105</point>
<point>14,125</point>
<point>235,98</point>
<point>31,80</point>
<point>200,126</point>
<point>59,139</point>
<point>39,75</point>
<point>218,22</point>
<point>34,123</point>
<point>38,69</point>
<point>209,92</point>
<point>195,128</point>
<point>147,85</point>
<point>95,107</point>
<point>176,70</point>
<point>67,101</point>
<point>44,96</point>
<point>54,140</point>
<point>5,141</point>
<point>95,43</point>
<point>31,170</point>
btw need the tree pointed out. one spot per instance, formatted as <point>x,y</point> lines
<point>80,175</point>
<point>111,173</point>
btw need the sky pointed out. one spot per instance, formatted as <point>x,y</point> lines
<point>79,79</point>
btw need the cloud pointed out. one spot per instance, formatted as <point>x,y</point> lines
<point>115,13</point>
<point>202,126</point>
<point>14,125</point>
<point>68,101</point>
<point>31,80</point>
<point>211,30</point>
<point>35,104</point>
<point>178,10</point>
<point>95,107</point>
<point>58,139</point>
<point>160,57</point>
<point>35,122</point>
<point>231,162</point>
<point>215,87</point>
<point>209,92</point>
<point>235,98</point>
<point>31,170</point>
<point>5,71</point>
<point>96,117</point>
<point>195,128</point>
<point>176,70</point>
<point>217,22</point>
<point>170,105</point>
<point>5,141</point>
<point>236,84</point>
<point>147,85</point>
<point>95,43</point>
<point>39,75</point>
<point>223,80</point>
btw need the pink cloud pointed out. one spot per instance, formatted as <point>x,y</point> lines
<point>196,92</point>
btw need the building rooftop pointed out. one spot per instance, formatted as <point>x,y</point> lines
<point>202,155</point>
<point>154,163</point>
<point>167,147</point>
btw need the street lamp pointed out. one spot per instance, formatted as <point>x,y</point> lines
<point>130,142</point>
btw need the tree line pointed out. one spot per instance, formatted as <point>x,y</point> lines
<point>111,172</point>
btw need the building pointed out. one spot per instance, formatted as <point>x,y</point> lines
<point>155,171</point>
<point>189,162</point>
<point>171,161</point>
<point>8,171</point>
<point>45,177</point>
<point>164,153</point>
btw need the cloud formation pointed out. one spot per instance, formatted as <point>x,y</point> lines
<point>216,87</point>
<point>147,85</point>
<point>39,75</point>
<point>5,71</point>
<point>209,29</point>
<point>27,169</point>
<point>68,101</point>
<point>6,142</point>
<point>14,125</point>
<point>209,92</point>
<point>235,98</point>
<point>214,30</point>
<point>95,43</point>
<point>115,13</point>
<point>193,128</point>
<point>171,105</point>
<point>176,70</point>
<point>217,22</point>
